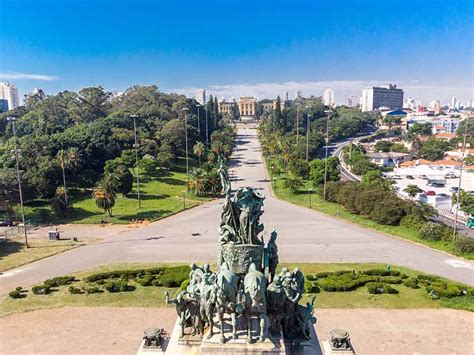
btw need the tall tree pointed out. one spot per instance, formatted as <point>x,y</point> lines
<point>199,149</point>
<point>62,157</point>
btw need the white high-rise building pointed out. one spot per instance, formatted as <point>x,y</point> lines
<point>454,102</point>
<point>201,96</point>
<point>329,97</point>
<point>9,92</point>
<point>298,95</point>
<point>384,96</point>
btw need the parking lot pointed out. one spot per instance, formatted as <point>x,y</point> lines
<point>422,174</point>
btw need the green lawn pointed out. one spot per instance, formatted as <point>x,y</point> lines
<point>154,296</point>
<point>160,197</point>
<point>318,204</point>
<point>14,254</point>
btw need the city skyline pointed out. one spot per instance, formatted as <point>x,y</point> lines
<point>306,46</point>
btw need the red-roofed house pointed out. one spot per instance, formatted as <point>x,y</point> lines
<point>445,136</point>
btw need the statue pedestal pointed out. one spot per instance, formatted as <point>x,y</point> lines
<point>183,346</point>
<point>240,345</point>
<point>150,351</point>
<point>328,350</point>
<point>239,257</point>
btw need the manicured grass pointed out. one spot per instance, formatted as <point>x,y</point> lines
<point>13,252</point>
<point>154,296</point>
<point>318,204</point>
<point>160,196</point>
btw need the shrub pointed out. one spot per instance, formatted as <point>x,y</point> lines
<point>293,183</point>
<point>173,277</point>
<point>19,288</point>
<point>112,286</point>
<point>381,272</point>
<point>310,287</point>
<point>41,289</point>
<point>146,280</point>
<point>411,282</point>
<point>92,289</point>
<point>344,283</point>
<point>323,275</point>
<point>377,288</point>
<point>15,294</point>
<point>431,231</point>
<point>440,289</point>
<point>60,281</point>
<point>310,277</point>
<point>184,284</point>
<point>388,211</point>
<point>156,283</point>
<point>75,290</point>
<point>464,244</point>
<point>299,167</point>
<point>412,221</point>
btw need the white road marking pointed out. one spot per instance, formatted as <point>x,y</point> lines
<point>13,272</point>
<point>459,263</point>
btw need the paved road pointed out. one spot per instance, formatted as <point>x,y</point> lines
<point>304,236</point>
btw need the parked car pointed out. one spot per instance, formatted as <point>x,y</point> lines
<point>443,195</point>
<point>6,223</point>
<point>430,193</point>
<point>410,177</point>
<point>395,177</point>
<point>450,175</point>
<point>454,189</point>
<point>424,177</point>
<point>437,184</point>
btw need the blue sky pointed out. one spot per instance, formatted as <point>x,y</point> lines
<point>237,48</point>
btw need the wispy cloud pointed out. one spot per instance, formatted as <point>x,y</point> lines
<point>343,89</point>
<point>25,76</point>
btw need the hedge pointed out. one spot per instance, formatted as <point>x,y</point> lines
<point>41,289</point>
<point>15,294</point>
<point>59,281</point>
<point>75,290</point>
<point>377,288</point>
<point>411,282</point>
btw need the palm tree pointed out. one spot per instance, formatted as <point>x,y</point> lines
<point>412,190</point>
<point>199,149</point>
<point>104,197</point>
<point>62,157</point>
<point>197,181</point>
<point>73,160</point>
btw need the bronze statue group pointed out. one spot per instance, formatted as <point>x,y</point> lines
<point>246,286</point>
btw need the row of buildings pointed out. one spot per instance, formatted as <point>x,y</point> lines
<point>9,98</point>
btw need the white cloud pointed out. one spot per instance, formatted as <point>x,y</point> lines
<point>24,76</point>
<point>343,89</point>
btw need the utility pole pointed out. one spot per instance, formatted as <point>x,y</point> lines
<point>17,159</point>
<point>308,126</point>
<point>326,160</point>
<point>136,158</point>
<point>460,178</point>
<point>207,129</point>
<point>186,139</point>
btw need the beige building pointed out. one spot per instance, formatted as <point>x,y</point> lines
<point>247,106</point>
<point>225,107</point>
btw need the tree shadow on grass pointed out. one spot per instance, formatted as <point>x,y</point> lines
<point>148,196</point>
<point>9,247</point>
<point>171,181</point>
<point>149,215</point>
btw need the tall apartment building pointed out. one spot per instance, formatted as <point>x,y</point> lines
<point>328,97</point>
<point>201,96</point>
<point>3,105</point>
<point>382,96</point>
<point>9,92</point>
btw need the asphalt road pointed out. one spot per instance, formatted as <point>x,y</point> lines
<point>303,236</point>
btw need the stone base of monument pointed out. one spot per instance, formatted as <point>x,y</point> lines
<point>189,344</point>
<point>142,350</point>
<point>328,350</point>
<point>204,346</point>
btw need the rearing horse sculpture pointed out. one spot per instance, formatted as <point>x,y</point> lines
<point>255,289</point>
<point>226,298</point>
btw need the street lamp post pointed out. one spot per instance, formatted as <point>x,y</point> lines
<point>199,124</point>
<point>135,145</point>
<point>186,139</point>
<point>326,155</point>
<point>308,126</point>
<point>310,191</point>
<point>17,159</point>
<point>460,178</point>
<point>297,124</point>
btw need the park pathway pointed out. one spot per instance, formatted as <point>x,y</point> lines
<point>303,236</point>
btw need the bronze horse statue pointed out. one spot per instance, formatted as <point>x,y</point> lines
<point>226,298</point>
<point>255,289</point>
